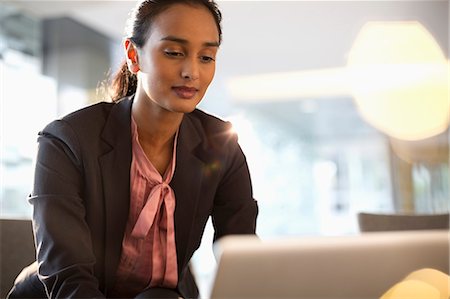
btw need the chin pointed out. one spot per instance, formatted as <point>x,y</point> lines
<point>182,108</point>
<point>187,106</point>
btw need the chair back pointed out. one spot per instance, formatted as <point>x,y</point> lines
<point>16,251</point>
<point>369,222</point>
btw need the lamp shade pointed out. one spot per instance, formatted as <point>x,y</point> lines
<point>399,79</point>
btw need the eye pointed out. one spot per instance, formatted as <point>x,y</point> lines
<point>206,59</point>
<point>173,54</point>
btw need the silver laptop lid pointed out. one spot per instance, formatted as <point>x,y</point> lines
<point>363,266</point>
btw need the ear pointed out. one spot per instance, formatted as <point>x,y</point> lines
<point>132,56</point>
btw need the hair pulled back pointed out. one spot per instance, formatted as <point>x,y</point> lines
<point>138,29</point>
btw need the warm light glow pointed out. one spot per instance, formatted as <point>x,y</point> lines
<point>435,278</point>
<point>412,289</point>
<point>399,79</point>
<point>424,283</point>
<point>289,85</point>
<point>396,72</point>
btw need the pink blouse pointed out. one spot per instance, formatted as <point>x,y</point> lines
<point>149,256</point>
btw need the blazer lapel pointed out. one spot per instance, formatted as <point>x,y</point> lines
<point>186,183</point>
<point>115,170</point>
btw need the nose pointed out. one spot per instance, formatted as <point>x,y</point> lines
<point>190,70</point>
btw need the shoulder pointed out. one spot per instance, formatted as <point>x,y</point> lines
<point>90,115</point>
<point>87,118</point>
<point>87,121</point>
<point>216,131</point>
<point>81,134</point>
<point>209,123</point>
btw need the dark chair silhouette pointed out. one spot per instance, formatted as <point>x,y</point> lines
<point>369,222</point>
<point>17,251</point>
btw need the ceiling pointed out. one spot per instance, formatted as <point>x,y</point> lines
<point>295,35</point>
<point>263,37</point>
<point>106,17</point>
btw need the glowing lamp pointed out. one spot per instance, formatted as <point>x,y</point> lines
<point>399,80</point>
<point>424,283</point>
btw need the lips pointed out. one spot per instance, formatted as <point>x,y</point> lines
<point>185,92</point>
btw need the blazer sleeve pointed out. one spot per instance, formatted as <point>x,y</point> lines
<point>234,210</point>
<point>63,242</point>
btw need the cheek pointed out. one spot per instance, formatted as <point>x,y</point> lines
<point>153,82</point>
<point>209,75</point>
<point>160,70</point>
<point>160,76</point>
<point>157,66</point>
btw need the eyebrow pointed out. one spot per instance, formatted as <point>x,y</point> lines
<point>184,41</point>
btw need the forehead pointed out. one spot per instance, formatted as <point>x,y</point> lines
<point>189,22</point>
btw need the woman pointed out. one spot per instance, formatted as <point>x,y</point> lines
<point>123,190</point>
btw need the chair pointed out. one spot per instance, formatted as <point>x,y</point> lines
<point>394,222</point>
<point>17,251</point>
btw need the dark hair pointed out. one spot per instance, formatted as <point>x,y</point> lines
<point>138,29</point>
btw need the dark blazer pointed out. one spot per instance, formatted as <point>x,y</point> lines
<point>81,195</point>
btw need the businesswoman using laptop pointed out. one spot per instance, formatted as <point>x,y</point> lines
<point>123,190</point>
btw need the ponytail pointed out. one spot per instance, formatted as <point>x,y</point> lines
<point>123,84</point>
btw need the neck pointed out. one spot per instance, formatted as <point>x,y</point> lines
<point>156,126</point>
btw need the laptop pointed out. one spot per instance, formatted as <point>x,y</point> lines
<point>362,266</point>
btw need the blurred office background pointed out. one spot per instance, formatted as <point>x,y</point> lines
<point>340,106</point>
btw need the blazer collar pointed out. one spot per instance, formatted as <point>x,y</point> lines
<point>118,124</point>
